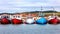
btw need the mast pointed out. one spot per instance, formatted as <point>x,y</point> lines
<point>41,12</point>
<point>54,13</point>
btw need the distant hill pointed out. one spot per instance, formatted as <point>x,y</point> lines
<point>50,11</point>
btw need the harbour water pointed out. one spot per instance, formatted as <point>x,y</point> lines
<point>29,29</point>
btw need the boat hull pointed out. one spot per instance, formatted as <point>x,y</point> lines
<point>5,21</point>
<point>53,21</point>
<point>41,21</point>
<point>17,21</point>
<point>30,21</point>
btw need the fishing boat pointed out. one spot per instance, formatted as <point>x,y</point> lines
<point>42,20</point>
<point>30,19</point>
<point>16,20</point>
<point>5,20</point>
<point>55,19</point>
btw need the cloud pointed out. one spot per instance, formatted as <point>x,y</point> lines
<point>27,5</point>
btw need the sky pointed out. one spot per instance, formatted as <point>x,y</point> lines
<point>16,6</point>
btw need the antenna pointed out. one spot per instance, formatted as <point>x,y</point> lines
<point>54,13</point>
<point>40,14</point>
<point>41,11</point>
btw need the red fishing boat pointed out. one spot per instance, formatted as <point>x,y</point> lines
<point>5,20</point>
<point>17,21</point>
<point>54,21</point>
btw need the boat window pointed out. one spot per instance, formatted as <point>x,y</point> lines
<point>7,16</point>
<point>14,16</point>
<point>1,16</point>
<point>18,16</point>
<point>4,16</point>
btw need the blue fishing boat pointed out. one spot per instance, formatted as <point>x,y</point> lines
<point>41,20</point>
